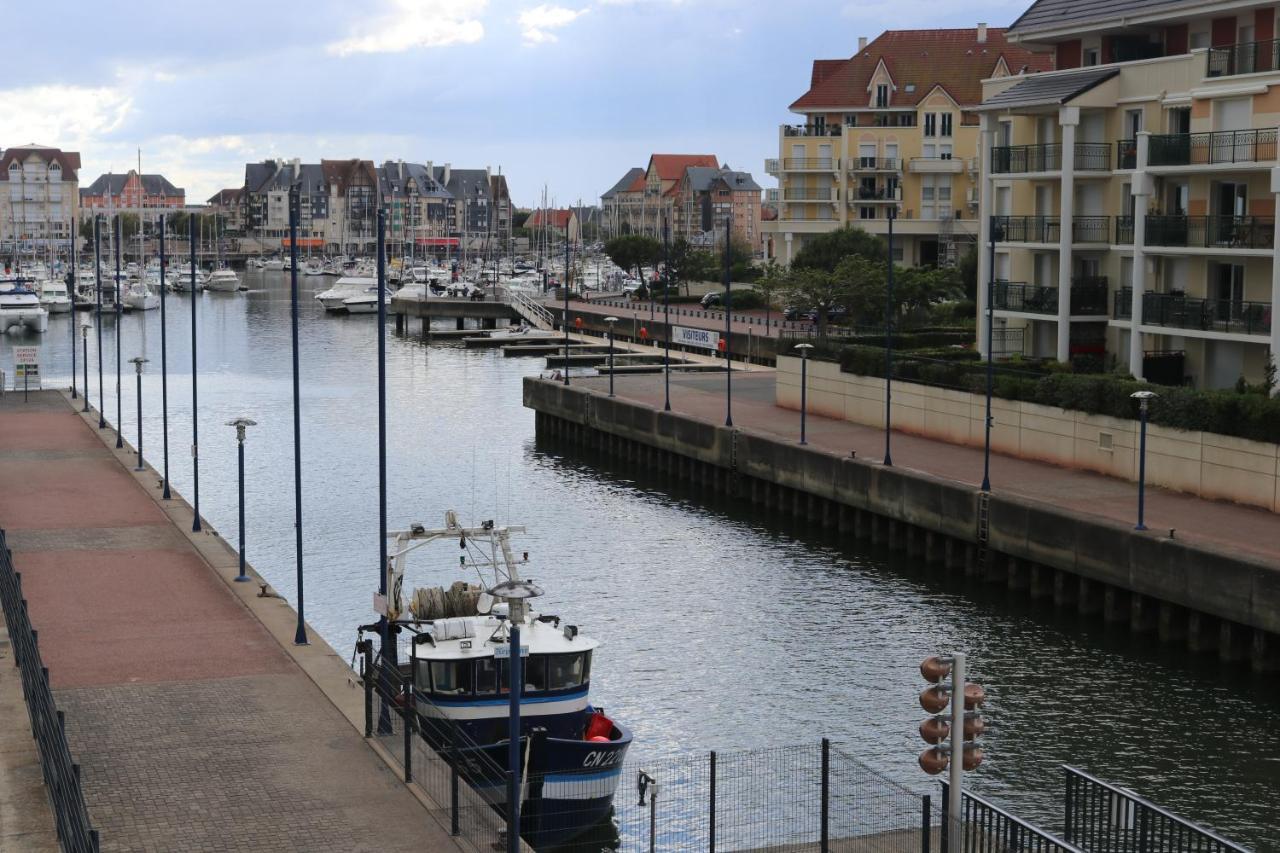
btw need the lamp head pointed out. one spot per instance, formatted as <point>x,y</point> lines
<point>804,349</point>
<point>1143,395</point>
<point>137,361</point>
<point>611,320</point>
<point>241,424</point>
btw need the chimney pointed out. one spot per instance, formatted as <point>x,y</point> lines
<point>982,33</point>
<point>862,43</point>
<point>447,172</point>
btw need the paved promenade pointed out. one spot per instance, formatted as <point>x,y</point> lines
<point>1222,525</point>
<point>685,314</point>
<point>198,725</point>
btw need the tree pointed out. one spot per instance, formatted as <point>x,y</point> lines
<point>826,251</point>
<point>685,264</point>
<point>634,252</point>
<point>770,285</point>
<point>851,285</point>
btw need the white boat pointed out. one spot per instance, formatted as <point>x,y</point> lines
<point>365,303</point>
<point>54,298</point>
<point>140,297</point>
<point>347,287</point>
<point>223,281</point>
<point>287,265</point>
<point>178,279</point>
<point>273,264</point>
<point>313,268</point>
<point>20,308</point>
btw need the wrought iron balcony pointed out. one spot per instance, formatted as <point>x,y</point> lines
<point>1089,156</point>
<point>809,194</point>
<point>1122,304</point>
<point>810,130</point>
<point>1088,297</point>
<point>1212,315</point>
<point>1211,232</point>
<point>1047,229</point>
<point>810,164</point>
<point>1226,146</point>
<point>1244,58</point>
<point>1124,231</point>
<point>875,164</point>
<point>1126,154</point>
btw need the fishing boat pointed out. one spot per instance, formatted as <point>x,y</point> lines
<point>20,307</point>
<point>223,281</point>
<point>571,753</point>
<point>347,287</point>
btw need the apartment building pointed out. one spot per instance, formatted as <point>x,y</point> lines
<point>39,210</point>
<point>130,190</point>
<point>1131,194</point>
<point>691,193</point>
<point>891,133</point>
<point>228,205</point>
<point>420,211</point>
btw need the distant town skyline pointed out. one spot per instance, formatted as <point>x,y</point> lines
<point>562,96</point>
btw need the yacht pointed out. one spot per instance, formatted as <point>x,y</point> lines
<point>223,281</point>
<point>273,264</point>
<point>178,279</point>
<point>313,268</point>
<point>140,297</point>
<point>53,296</point>
<point>459,639</point>
<point>347,287</point>
<point>20,307</point>
<point>366,302</point>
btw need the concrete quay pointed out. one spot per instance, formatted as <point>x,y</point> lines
<point>1049,533</point>
<point>198,724</point>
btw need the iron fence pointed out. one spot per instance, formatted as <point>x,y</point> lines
<point>1220,315</point>
<point>1103,818</point>
<point>48,725</point>
<point>987,828</point>
<point>1227,232</point>
<point>1223,146</point>
<point>1248,57</point>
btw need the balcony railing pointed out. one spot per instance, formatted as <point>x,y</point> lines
<point>1089,156</point>
<point>875,164</point>
<point>809,194</point>
<point>880,193</point>
<point>810,130</point>
<point>1126,154</point>
<point>771,166</point>
<point>1227,146</point>
<point>1088,297</point>
<point>1124,231</point>
<point>1211,232</point>
<point>1047,229</point>
<point>1211,315</point>
<point>1244,58</point>
<point>1122,304</point>
<point>816,164</point>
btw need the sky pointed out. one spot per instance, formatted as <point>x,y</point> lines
<point>566,97</point>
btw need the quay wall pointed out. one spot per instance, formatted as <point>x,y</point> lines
<point>1182,592</point>
<point>1206,464</point>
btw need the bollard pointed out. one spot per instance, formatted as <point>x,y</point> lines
<point>826,796</point>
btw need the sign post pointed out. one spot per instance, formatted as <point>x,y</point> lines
<point>26,365</point>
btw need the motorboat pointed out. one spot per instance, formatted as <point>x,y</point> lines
<point>458,644</point>
<point>347,287</point>
<point>366,302</point>
<point>313,268</point>
<point>140,297</point>
<point>223,281</point>
<point>20,307</point>
<point>178,279</point>
<point>273,264</point>
<point>54,297</point>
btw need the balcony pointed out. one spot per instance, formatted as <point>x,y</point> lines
<point>1013,159</point>
<point>875,164</point>
<point>1243,58</point>
<point>1047,229</point>
<point>1211,232</point>
<point>1127,154</point>
<point>1220,147</point>
<point>1122,304</point>
<point>826,130</point>
<point>771,195</point>
<point>809,194</point>
<point>865,195</point>
<point>771,167</point>
<point>810,164</point>
<point>1124,231</point>
<point>1088,297</point>
<point>936,165</point>
<point>1229,316</point>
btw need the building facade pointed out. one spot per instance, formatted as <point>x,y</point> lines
<point>131,191</point>
<point>1131,194</point>
<point>891,132</point>
<point>41,202</point>
<point>556,224</point>
<point>228,205</point>
<point>691,193</point>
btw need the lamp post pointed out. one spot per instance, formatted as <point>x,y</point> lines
<point>195,409</point>
<point>888,344</point>
<point>84,341</point>
<point>137,362</point>
<point>70,279</point>
<point>991,293</point>
<point>119,234</point>
<point>241,425</point>
<point>164,365</point>
<point>97,277</point>
<point>611,321</point>
<point>386,630</point>
<point>804,384</point>
<point>300,633</point>
<point>565,285</point>
<point>1144,398</point>
<point>728,331</point>
<point>666,315</point>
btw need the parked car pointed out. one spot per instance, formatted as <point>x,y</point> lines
<point>710,300</point>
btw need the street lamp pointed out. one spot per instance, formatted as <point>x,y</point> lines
<point>241,425</point>
<point>611,321</point>
<point>1144,398</point>
<point>804,382</point>
<point>888,343</point>
<point>137,362</point>
<point>84,342</point>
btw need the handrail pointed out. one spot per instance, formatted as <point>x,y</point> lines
<point>1255,145</point>
<point>987,828</point>
<point>529,309</point>
<point>1144,819</point>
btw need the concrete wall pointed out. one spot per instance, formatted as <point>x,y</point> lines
<point>1200,463</point>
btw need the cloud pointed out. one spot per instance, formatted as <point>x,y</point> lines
<point>537,23</point>
<point>409,24</point>
<point>63,115</point>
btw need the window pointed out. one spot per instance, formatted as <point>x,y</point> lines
<point>1091,56</point>
<point>565,671</point>
<point>882,95</point>
<point>450,677</point>
<point>930,124</point>
<point>944,151</point>
<point>866,211</point>
<point>946,125</point>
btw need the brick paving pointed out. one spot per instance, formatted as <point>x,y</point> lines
<point>196,730</point>
<point>1218,524</point>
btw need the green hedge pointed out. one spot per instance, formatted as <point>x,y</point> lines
<point>1254,416</point>
<point>923,339</point>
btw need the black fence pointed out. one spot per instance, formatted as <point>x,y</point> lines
<point>61,774</point>
<point>1224,146</point>
<point>987,828</point>
<point>1102,817</point>
<point>1248,57</point>
<point>1088,156</point>
<point>1230,232</point>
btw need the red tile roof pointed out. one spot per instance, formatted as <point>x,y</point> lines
<point>554,218</point>
<point>953,59</point>
<point>670,167</point>
<point>68,160</point>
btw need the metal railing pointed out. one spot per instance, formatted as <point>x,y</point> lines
<point>1046,229</point>
<point>811,130</point>
<point>1122,304</point>
<point>1211,232</point>
<point>1126,154</point>
<point>48,725</point>
<point>1088,297</point>
<point>1091,229</point>
<point>1103,817</point>
<point>528,308</point>
<point>795,164</point>
<point>988,828</point>
<point>1224,146</point>
<point>1230,316</point>
<point>809,194</point>
<point>874,164</point>
<point>1124,231</point>
<point>1248,57</point>
<point>1089,156</point>
<point>879,193</point>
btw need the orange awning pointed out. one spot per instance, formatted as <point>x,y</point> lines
<point>305,242</point>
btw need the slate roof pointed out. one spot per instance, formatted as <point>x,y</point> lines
<point>703,178</point>
<point>1048,14</point>
<point>952,59</point>
<point>113,184</point>
<point>396,177</point>
<point>635,173</point>
<point>227,197</point>
<point>1049,89</point>
<point>465,183</point>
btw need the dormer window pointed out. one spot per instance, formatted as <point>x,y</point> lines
<point>882,95</point>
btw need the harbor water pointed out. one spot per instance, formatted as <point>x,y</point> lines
<point>720,628</point>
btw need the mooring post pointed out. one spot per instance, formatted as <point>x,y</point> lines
<point>826,795</point>
<point>711,829</point>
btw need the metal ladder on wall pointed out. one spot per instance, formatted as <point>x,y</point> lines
<point>947,252</point>
<point>984,527</point>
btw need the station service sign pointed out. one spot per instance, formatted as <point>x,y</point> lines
<point>26,367</point>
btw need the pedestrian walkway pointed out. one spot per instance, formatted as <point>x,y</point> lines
<point>1222,525</point>
<point>26,823</point>
<point>197,724</point>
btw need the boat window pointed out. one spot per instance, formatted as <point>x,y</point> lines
<point>452,677</point>
<point>535,672</point>
<point>565,671</point>
<point>486,676</point>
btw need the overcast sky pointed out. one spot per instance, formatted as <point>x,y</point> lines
<point>569,96</point>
